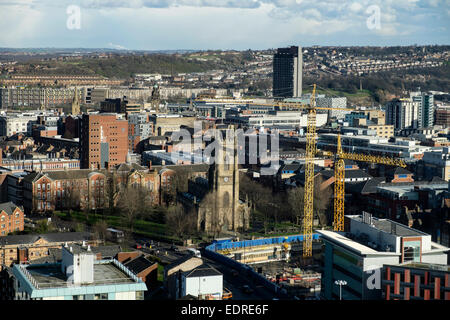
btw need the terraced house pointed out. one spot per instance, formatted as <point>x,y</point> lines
<point>11,218</point>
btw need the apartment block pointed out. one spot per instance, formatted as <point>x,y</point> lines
<point>287,72</point>
<point>104,141</point>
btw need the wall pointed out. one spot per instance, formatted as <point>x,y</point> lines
<point>438,258</point>
<point>203,285</point>
<point>131,295</point>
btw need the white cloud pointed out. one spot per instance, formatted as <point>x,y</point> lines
<point>172,24</point>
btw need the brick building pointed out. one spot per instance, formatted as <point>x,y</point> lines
<point>103,141</point>
<point>47,191</point>
<point>416,281</point>
<point>28,247</point>
<point>443,116</point>
<point>11,218</point>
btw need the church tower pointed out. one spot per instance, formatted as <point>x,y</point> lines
<point>76,103</point>
<point>223,211</point>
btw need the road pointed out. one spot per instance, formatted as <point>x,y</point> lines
<point>233,282</point>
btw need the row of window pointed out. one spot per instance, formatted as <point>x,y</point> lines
<point>17,215</point>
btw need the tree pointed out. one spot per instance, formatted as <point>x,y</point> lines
<point>181,222</point>
<point>178,183</point>
<point>100,230</point>
<point>322,199</point>
<point>208,208</point>
<point>133,201</point>
<point>296,198</point>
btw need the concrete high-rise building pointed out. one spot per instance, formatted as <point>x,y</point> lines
<point>403,113</point>
<point>426,108</point>
<point>414,112</point>
<point>287,72</point>
<point>103,141</point>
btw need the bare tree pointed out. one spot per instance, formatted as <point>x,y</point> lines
<point>100,229</point>
<point>133,201</point>
<point>321,202</point>
<point>208,207</point>
<point>297,202</point>
<point>181,221</point>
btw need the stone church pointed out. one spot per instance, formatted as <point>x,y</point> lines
<point>217,204</point>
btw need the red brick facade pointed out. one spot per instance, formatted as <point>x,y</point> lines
<point>103,131</point>
<point>406,282</point>
<point>10,222</point>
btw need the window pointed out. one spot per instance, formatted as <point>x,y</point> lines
<point>101,296</point>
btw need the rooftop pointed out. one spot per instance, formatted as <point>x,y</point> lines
<point>346,242</point>
<point>25,239</point>
<point>391,227</point>
<point>425,266</point>
<point>45,276</point>
<point>204,270</point>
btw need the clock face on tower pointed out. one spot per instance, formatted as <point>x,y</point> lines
<point>225,179</point>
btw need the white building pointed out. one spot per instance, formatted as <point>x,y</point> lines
<point>284,119</point>
<point>357,254</point>
<point>203,282</point>
<point>333,102</point>
<point>19,123</point>
<point>437,163</point>
<point>403,113</point>
<point>79,276</point>
<point>401,148</point>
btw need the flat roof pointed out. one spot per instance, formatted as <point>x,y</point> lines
<point>425,266</point>
<point>350,244</point>
<point>391,227</point>
<point>50,275</point>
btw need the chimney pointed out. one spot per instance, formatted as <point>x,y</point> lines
<point>150,165</point>
<point>89,248</point>
<point>71,249</point>
<point>84,243</point>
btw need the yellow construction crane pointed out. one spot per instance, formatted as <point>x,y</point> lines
<point>339,178</point>
<point>308,210</point>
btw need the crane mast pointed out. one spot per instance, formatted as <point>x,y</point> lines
<point>308,209</point>
<point>339,188</point>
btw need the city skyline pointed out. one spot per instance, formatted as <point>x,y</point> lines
<point>239,25</point>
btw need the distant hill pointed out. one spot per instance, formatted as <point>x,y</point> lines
<point>127,64</point>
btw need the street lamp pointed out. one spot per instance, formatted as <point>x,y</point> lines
<point>340,283</point>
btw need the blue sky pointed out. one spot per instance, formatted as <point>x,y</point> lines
<point>222,24</point>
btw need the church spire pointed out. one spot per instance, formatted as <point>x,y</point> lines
<point>75,103</point>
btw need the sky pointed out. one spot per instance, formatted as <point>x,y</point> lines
<point>221,24</point>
